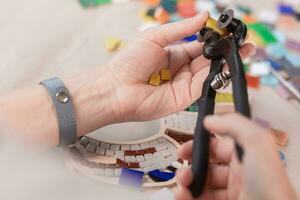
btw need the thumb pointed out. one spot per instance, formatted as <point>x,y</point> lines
<point>172,32</point>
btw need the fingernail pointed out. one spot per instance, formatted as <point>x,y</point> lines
<point>201,14</point>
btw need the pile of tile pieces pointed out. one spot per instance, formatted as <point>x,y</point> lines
<point>112,44</point>
<point>156,79</point>
<point>156,159</point>
<point>277,61</point>
<point>179,136</point>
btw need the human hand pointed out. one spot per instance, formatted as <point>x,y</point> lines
<point>260,175</point>
<point>136,100</point>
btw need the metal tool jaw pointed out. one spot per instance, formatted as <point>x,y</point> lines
<point>222,40</point>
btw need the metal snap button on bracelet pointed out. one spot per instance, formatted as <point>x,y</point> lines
<point>62,96</point>
<point>62,102</point>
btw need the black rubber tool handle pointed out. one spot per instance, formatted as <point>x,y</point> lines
<point>206,106</point>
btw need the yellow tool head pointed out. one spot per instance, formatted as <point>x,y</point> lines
<point>213,24</point>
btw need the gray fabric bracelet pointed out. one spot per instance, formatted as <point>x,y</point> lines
<point>64,110</point>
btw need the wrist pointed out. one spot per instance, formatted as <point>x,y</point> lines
<point>93,100</point>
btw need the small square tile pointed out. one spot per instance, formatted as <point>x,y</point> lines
<point>165,74</point>
<point>109,152</point>
<point>130,177</point>
<point>154,79</point>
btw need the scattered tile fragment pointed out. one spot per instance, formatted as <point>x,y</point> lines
<point>152,2</point>
<point>283,92</point>
<point>269,80</point>
<point>161,15</point>
<point>155,79</point>
<point>253,81</point>
<point>159,176</point>
<point>224,98</point>
<point>165,74</point>
<point>131,177</point>
<point>280,136</point>
<point>261,68</point>
<point>186,8</point>
<point>112,44</point>
<point>282,156</point>
<point>263,123</point>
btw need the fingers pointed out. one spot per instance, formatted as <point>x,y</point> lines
<point>186,150</point>
<point>193,49</point>
<point>183,54</point>
<point>248,49</point>
<point>240,128</point>
<point>198,64</point>
<point>199,67</point>
<point>183,193</point>
<point>184,177</point>
<point>217,181</point>
<point>197,82</point>
<point>221,150</point>
<point>219,194</point>
<point>208,194</point>
<point>218,176</point>
<point>172,32</point>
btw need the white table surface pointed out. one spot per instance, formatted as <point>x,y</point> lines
<point>44,38</point>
